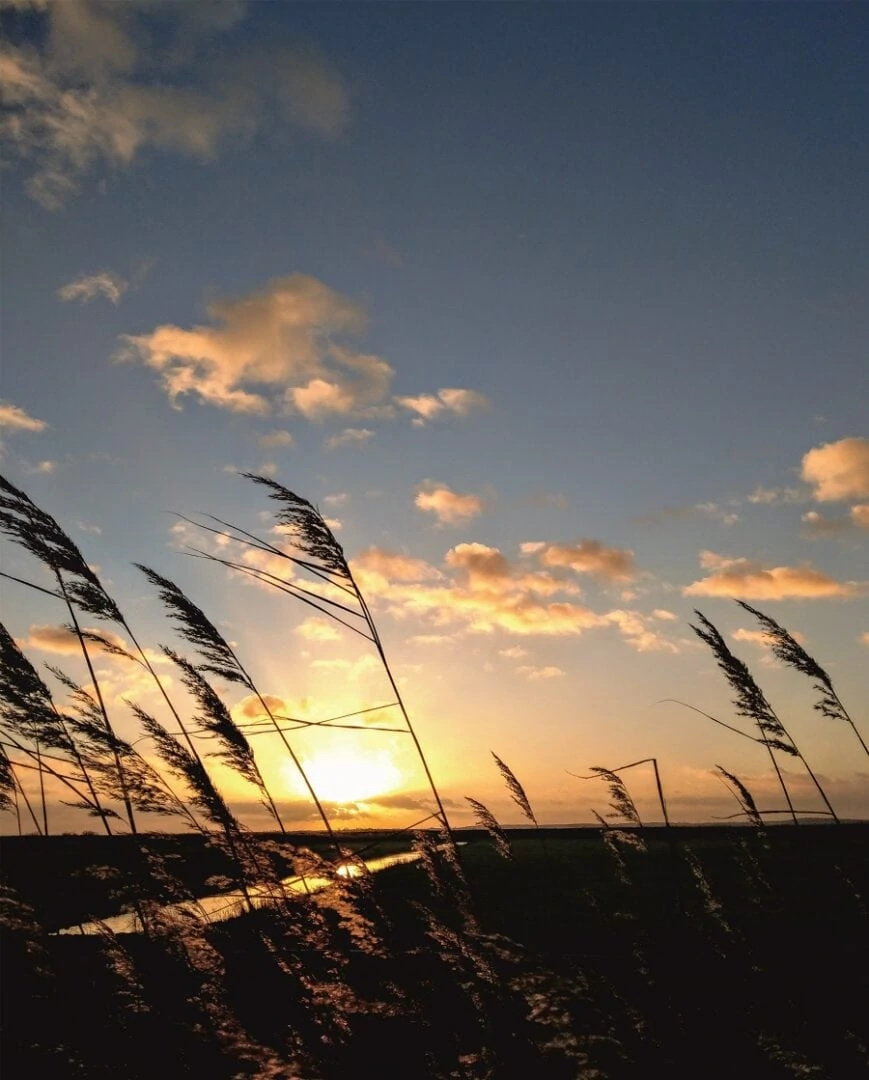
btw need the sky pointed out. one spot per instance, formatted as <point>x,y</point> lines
<point>557,312</point>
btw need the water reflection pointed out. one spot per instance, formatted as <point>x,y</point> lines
<point>228,905</point>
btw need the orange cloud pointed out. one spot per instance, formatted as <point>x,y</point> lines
<point>448,506</point>
<point>273,347</point>
<point>63,641</point>
<point>591,557</point>
<point>15,419</point>
<point>838,470</point>
<point>860,515</point>
<point>317,629</point>
<point>744,579</point>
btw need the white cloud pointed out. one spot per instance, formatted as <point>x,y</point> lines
<point>761,638</point>
<point>838,470</point>
<point>448,506</point>
<point>743,579</point>
<point>664,615</point>
<point>88,287</point>
<point>338,498</point>
<point>101,90</point>
<point>12,418</point>
<point>349,437</point>
<point>460,402</point>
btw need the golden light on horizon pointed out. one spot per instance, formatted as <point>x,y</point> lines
<point>341,776</point>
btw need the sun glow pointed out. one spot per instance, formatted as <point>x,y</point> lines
<point>345,777</point>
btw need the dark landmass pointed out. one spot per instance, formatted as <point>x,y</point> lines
<point>704,953</point>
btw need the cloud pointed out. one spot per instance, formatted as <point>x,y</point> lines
<point>106,283</point>
<point>481,590</point>
<point>431,639</point>
<point>275,439</point>
<point>44,467</point>
<point>765,496</point>
<point>338,498</point>
<point>761,638</point>
<point>349,437</point>
<point>12,418</point>
<point>62,640</point>
<point>535,673</point>
<point>516,652</point>
<point>459,402</point>
<point>860,516</point>
<point>712,510</point>
<point>111,82</point>
<point>815,525</point>
<point>317,629</point>
<point>275,349</point>
<point>838,470</point>
<point>864,638</point>
<point>448,506</point>
<point>664,615</point>
<point>376,570</point>
<point>744,579</point>
<point>590,557</point>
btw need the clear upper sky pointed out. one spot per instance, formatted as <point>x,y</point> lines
<point>559,312</point>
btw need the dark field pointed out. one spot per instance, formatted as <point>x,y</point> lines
<point>714,952</point>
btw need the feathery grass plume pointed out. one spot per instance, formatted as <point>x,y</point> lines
<point>310,532</point>
<point>743,796</point>
<point>750,701</point>
<point>517,792</point>
<point>26,705</point>
<point>36,531</point>
<point>622,804</point>
<point>487,820</point>
<point>7,782</point>
<point>182,764</point>
<point>196,628</point>
<point>215,718</point>
<point>790,652</point>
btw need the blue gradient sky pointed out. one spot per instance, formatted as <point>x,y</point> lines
<point>634,235</point>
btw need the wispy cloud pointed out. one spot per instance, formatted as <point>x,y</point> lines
<point>106,283</point>
<point>100,92</point>
<point>764,496</point>
<point>455,400</point>
<point>13,418</point>
<point>275,439</point>
<point>533,674</point>
<point>349,437</point>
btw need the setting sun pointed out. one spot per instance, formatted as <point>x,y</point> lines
<point>344,777</point>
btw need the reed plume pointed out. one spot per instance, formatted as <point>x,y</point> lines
<point>487,820</point>
<point>789,651</point>
<point>751,702</point>
<point>743,796</point>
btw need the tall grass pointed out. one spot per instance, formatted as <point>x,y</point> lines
<point>477,967</point>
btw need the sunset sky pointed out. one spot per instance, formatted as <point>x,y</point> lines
<point>557,312</point>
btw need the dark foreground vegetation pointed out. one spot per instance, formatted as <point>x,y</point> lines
<point>728,952</point>
<point>619,952</point>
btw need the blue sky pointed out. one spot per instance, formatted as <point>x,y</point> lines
<point>589,279</point>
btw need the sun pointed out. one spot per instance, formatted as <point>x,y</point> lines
<point>346,777</point>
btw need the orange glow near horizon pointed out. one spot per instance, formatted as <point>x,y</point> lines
<point>344,777</point>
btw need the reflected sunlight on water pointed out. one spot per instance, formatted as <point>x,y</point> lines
<point>228,905</point>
